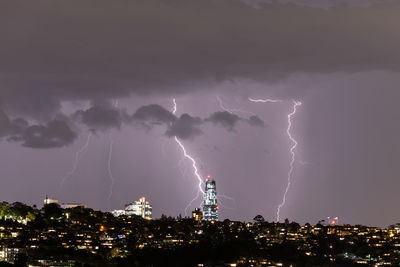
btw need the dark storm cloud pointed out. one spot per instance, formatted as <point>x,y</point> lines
<point>17,126</point>
<point>152,114</point>
<point>186,127</point>
<point>11,127</point>
<point>229,120</point>
<point>56,133</point>
<point>101,117</point>
<point>319,3</point>
<point>225,119</point>
<point>4,124</point>
<point>255,121</point>
<point>109,49</point>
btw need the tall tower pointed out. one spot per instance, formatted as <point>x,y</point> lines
<point>210,207</point>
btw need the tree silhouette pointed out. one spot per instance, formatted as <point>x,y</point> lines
<point>259,219</point>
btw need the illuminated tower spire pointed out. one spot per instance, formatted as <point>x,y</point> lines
<point>210,207</point>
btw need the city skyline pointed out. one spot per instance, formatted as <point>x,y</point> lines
<point>290,106</point>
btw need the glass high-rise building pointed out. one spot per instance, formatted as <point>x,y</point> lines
<point>210,206</point>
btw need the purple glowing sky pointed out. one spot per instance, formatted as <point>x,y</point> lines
<point>65,63</point>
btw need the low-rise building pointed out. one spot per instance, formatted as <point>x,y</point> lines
<point>140,207</point>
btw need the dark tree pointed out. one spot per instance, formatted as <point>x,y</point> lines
<point>259,219</point>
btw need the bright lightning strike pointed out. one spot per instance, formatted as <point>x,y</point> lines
<point>191,202</point>
<point>292,151</point>
<point>221,105</point>
<point>219,196</point>
<point>296,104</point>
<point>194,164</point>
<point>265,100</point>
<point>78,155</point>
<point>231,110</point>
<point>192,160</point>
<point>175,106</point>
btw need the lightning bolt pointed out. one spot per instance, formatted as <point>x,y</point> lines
<point>110,152</point>
<point>191,202</point>
<point>231,110</point>
<point>219,196</point>
<point>292,152</point>
<point>222,106</point>
<point>268,100</point>
<point>192,160</point>
<point>195,171</point>
<point>175,107</point>
<point>77,158</point>
<point>296,104</point>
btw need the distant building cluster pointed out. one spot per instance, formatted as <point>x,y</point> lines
<point>143,208</point>
<point>140,208</point>
<point>48,201</point>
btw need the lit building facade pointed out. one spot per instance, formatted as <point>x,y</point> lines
<point>10,254</point>
<point>210,207</point>
<point>197,215</point>
<point>334,221</point>
<point>73,205</point>
<point>118,213</point>
<point>140,208</point>
<point>48,201</point>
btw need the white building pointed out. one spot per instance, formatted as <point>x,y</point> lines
<point>118,213</point>
<point>141,208</point>
<point>48,200</point>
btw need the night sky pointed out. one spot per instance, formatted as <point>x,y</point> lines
<point>106,73</point>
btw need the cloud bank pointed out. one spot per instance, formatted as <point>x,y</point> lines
<point>98,50</point>
<point>83,50</point>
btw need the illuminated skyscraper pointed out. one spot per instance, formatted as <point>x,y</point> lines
<point>210,207</point>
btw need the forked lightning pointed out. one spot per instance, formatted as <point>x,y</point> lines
<point>192,160</point>
<point>296,104</point>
